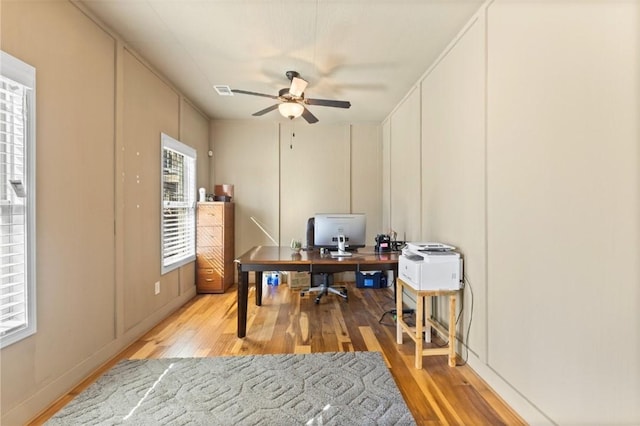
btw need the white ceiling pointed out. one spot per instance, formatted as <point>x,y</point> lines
<point>369,52</point>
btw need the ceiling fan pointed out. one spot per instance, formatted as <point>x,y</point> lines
<point>292,101</point>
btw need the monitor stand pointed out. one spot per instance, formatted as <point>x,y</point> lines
<point>340,253</point>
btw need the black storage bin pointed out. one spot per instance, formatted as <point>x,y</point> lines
<point>371,279</point>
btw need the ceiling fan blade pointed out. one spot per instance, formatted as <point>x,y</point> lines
<point>264,111</point>
<point>245,92</point>
<point>306,114</point>
<point>328,102</point>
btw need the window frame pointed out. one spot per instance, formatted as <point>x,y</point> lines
<point>169,143</point>
<point>25,74</point>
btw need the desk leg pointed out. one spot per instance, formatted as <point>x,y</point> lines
<point>398,290</point>
<point>243,295</point>
<point>258,288</point>
<point>394,272</point>
<point>452,330</point>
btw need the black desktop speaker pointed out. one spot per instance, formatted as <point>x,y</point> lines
<point>383,243</point>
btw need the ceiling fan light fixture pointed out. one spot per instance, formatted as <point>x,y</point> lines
<point>291,110</point>
<point>297,87</point>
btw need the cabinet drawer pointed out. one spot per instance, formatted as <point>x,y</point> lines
<point>211,258</point>
<point>210,215</point>
<point>209,281</point>
<point>209,236</point>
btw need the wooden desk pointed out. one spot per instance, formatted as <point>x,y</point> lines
<point>416,332</point>
<point>271,258</point>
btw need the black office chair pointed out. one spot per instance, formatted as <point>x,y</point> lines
<point>321,282</point>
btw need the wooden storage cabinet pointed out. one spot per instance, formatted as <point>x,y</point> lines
<point>214,247</point>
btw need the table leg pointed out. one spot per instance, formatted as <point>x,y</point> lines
<point>243,295</point>
<point>258,288</point>
<point>452,330</point>
<point>419,324</point>
<point>398,289</point>
<point>428,301</point>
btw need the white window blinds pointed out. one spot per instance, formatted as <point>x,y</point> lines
<point>178,203</point>
<point>17,201</point>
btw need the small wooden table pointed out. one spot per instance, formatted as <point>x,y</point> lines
<point>416,332</point>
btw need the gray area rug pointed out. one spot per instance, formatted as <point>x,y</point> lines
<point>342,388</point>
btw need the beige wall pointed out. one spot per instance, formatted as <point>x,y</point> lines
<point>530,165</point>
<point>386,176</point>
<point>246,155</point>
<point>150,107</point>
<point>315,175</point>
<point>563,206</point>
<point>453,168</point>
<point>194,131</point>
<point>281,179</point>
<point>404,168</point>
<point>366,176</point>
<point>99,115</point>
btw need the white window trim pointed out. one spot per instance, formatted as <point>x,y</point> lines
<point>170,143</point>
<point>25,74</point>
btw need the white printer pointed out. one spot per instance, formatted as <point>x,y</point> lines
<point>430,266</point>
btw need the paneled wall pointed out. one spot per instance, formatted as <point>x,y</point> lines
<point>563,206</point>
<point>194,131</point>
<point>404,168</point>
<point>150,106</point>
<point>529,130</point>
<point>281,179</point>
<point>314,175</point>
<point>75,160</point>
<point>386,176</point>
<point>453,168</point>
<point>100,111</point>
<point>246,154</point>
<point>366,176</point>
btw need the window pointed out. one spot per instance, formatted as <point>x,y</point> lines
<point>178,204</point>
<point>17,200</point>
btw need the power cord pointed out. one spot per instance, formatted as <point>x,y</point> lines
<point>466,343</point>
<point>466,336</point>
<point>394,312</point>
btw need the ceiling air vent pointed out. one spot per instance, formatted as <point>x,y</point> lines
<point>223,90</point>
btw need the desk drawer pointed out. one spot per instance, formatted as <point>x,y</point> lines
<point>211,259</point>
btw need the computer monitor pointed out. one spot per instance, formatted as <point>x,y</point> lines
<point>327,228</point>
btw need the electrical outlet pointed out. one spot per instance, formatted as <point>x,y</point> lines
<point>157,287</point>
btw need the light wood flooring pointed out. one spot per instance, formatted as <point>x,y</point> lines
<point>289,323</point>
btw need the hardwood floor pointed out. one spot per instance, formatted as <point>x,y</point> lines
<point>288,323</point>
